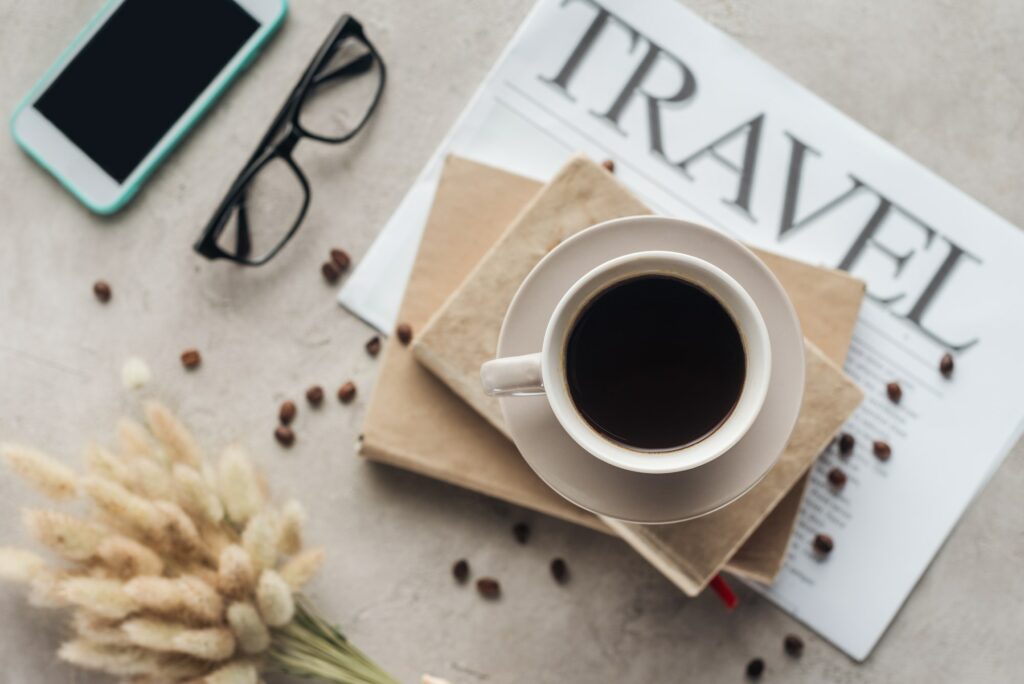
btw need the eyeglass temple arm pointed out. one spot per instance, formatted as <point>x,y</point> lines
<point>243,242</point>
<point>356,67</point>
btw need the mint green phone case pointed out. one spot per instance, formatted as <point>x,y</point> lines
<point>220,84</point>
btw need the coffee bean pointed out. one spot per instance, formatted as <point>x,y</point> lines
<point>846,442</point>
<point>894,391</point>
<point>404,333</point>
<point>341,259</point>
<point>284,435</point>
<point>315,395</point>
<point>560,571</point>
<point>793,645</point>
<point>521,531</point>
<point>946,365</point>
<point>330,272</point>
<point>488,587</point>
<point>102,291</point>
<point>373,346</point>
<point>191,359</point>
<point>837,478</point>
<point>882,450</point>
<point>755,668</point>
<point>347,392</point>
<point>460,571</point>
<point>608,165</point>
<point>823,544</point>
<point>287,412</point>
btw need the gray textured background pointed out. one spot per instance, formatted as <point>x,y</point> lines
<point>940,79</point>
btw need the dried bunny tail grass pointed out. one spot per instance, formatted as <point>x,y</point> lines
<point>217,538</point>
<point>300,569</point>
<point>252,635</point>
<point>179,532</point>
<point>169,668</point>
<point>195,495</point>
<point>209,473</point>
<point>114,660</point>
<point>103,463</point>
<point>17,565</point>
<point>274,598</point>
<point>98,630</point>
<point>45,589</point>
<point>213,644</point>
<point>131,661</point>
<point>125,508</point>
<point>65,535</point>
<point>260,538</point>
<point>202,572</point>
<point>239,487</point>
<point>161,595</point>
<point>152,480</point>
<point>202,599</point>
<point>46,474</point>
<point>188,598</point>
<point>293,517</point>
<point>104,597</point>
<point>236,672</point>
<point>430,679</point>
<point>180,444</point>
<point>133,441</point>
<point>153,634</point>
<point>235,573</point>
<point>127,558</point>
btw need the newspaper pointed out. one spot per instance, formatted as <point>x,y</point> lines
<point>701,129</point>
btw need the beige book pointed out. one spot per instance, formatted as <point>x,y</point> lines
<point>415,422</point>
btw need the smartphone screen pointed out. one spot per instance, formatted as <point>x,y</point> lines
<point>139,73</point>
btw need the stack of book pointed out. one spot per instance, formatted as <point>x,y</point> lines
<point>486,231</point>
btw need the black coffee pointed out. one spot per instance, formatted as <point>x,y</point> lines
<point>655,363</point>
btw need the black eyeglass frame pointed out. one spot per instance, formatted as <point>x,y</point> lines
<point>288,130</point>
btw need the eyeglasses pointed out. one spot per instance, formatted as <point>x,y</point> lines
<point>336,96</point>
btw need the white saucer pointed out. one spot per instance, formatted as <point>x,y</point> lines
<point>636,497</point>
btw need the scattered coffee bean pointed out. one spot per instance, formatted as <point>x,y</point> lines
<point>894,391</point>
<point>287,412</point>
<point>882,450</point>
<point>837,478</point>
<point>793,645</point>
<point>341,259</point>
<point>102,290</point>
<point>347,392</point>
<point>460,571</point>
<point>315,395</point>
<point>284,435</point>
<point>330,272</point>
<point>488,587</point>
<point>846,442</point>
<point>521,531</point>
<point>404,333</point>
<point>560,571</point>
<point>946,365</point>
<point>373,346</point>
<point>191,359</point>
<point>609,165</point>
<point>755,668</point>
<point>823,544</point>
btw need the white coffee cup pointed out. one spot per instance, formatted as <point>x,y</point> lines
<point>544,372</point>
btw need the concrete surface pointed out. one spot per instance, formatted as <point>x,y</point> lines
<point>940,79</point>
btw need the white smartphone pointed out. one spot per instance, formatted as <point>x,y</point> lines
<point>133,83</point>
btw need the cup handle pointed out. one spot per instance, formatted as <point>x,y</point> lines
<point>517,376</point>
